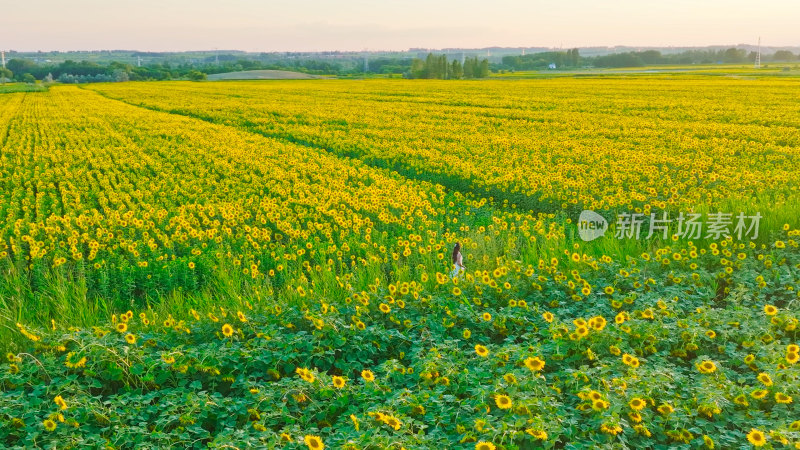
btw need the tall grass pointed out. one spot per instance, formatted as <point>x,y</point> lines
<point>62,296</point>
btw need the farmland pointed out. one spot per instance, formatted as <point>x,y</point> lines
<point>267,264</point>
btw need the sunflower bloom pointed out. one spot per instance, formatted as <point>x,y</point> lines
<point>756,438</point>
<point>60,402</point>
<point>227,330</point>
<point>665,409</point>
<point>502,401</point>
<point>637,404</point>
<point>313,442</point>
<point>538,434</point>
<point>49,425</point>
<point>534,364</point>
<point>338,382</point>
<point>706,367</point>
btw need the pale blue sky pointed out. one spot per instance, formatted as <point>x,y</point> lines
<point>163,25</point>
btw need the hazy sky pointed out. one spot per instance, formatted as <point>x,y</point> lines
<point>163,25</point>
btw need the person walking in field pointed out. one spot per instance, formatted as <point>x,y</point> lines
<point>458,261</point>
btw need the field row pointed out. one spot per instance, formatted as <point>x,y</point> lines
<point>642,144</point>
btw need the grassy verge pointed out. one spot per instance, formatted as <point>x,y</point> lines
<point>21,87</point>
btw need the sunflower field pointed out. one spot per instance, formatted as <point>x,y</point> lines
<point>267,265</point>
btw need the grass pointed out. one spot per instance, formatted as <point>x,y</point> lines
<point>262,75</point>
<point>21,87</point>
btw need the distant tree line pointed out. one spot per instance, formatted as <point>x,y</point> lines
<point>539,61</point>
<point>571,59</point>
<point>650,57</point>
<point>21,69</point>
<point>438,67</point>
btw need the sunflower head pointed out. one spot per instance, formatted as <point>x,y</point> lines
<point>756,437</point>
<point>502,401</point>
<point>227,330</point>
<point>313,442</point>
<point>535,364</point>
<point>49,425</point>
<point>780,397</point>
<point>637,404</point>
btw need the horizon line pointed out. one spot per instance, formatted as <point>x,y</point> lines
<point>407,50</point>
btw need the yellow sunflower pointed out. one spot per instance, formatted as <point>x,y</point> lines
<point>49,425</point>
<point>707,367</point>
<point>756,438</point>
<point>60,402</point>
<point>313,442</point>
<point>780,397</point>
<point>502,401</point>
<point>227,330</point>
<point>338,381</point>
<point>759,393</point>
<point>535,363</point>
<point>538,434</point>
<point>637,403</point>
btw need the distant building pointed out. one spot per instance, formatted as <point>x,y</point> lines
<point>552,66</point>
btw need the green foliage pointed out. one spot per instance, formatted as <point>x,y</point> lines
<point>5,75</point>
<point>648,57</point>
<point>196,75</point>
<point>474,68</point>
<point>437,67</point>
<point>784,55</point>
<point>569,59</point>
<point>263,375</point>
